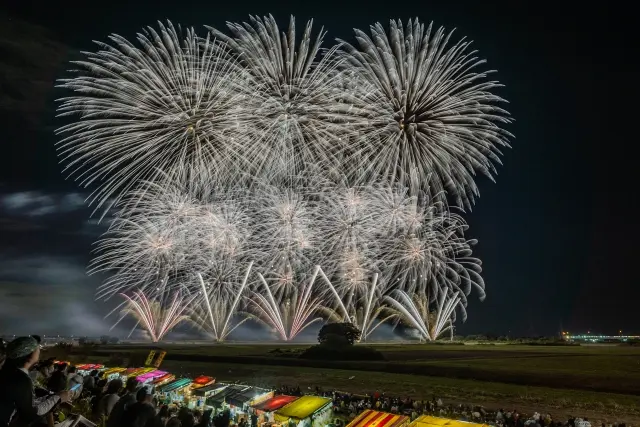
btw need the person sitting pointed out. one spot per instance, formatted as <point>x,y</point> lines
<point>111,397</point>
<point>142,413</point>
<point>89,382</point>
<point>128,399</point>
<point>58,380</point>
<point>17,403</point>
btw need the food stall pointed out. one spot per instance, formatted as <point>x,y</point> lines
<point>429,421</point>
<point>174,391</point>
<point>87,368</point>
<point>307,411</point>
<point>150,376</point>
<point>202,381</point>
<point>371,418</point>
<point>165,379</point>
<point>264,410</point>
<point>238,399</point>
<point>113,373</point>
<point>201,394</point>
<point>135,372</point>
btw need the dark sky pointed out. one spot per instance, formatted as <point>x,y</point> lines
<point>557,232</point>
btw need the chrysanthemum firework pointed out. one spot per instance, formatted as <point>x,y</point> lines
<point>427,110</point>
<point>297,112</point>
<point>167,103</point>
<point>169,231</point>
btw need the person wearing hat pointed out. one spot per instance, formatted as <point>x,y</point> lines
<point>17,404</point>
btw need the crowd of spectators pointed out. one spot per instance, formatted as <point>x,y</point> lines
<point>350,405</point>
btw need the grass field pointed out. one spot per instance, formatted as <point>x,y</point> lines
<point>602,382</point>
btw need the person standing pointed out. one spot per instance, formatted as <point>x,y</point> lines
<point>17,403</point>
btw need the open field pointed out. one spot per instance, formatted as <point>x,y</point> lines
<point>602,382</point>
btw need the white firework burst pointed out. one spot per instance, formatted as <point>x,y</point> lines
<point>435,259</point>
<point>296,109</point>
<point>168,103</point>
<point>166,232</point>
<point>284,233</point>
<point>425,110</point>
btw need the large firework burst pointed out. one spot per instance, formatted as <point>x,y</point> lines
<point>296,109</point>
<point>426,110</point>
<point>169,103</point>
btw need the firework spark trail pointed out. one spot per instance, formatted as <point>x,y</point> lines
<point>415,310</point>
<point>288,315</point>
<point>169,103</point>
<point>214,312</point>
<point>156,319</point>
<point>431,112</point>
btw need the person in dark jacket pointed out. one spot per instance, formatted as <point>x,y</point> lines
<point>58,380</point>
<point>142,413</point>
<point>115,417</point>
<point>17,403</point>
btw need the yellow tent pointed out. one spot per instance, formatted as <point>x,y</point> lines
<point>301,408</point>
<point>429,421</point>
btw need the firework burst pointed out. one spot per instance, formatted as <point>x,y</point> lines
<point>169,103</point>
<point>297,114</point>
<point>426,110</point>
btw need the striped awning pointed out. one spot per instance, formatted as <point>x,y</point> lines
<point>371,418</point>
<point>429,421</point>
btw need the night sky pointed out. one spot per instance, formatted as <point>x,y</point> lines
<point>557,232</point>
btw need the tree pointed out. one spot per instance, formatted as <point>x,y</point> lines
<point>338,334</point>
<point>104,339</point>
<point>114,340</point>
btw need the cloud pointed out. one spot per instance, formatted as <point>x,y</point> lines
<point>37,204</point>
<point>60,214</point>
<point>49,295</point>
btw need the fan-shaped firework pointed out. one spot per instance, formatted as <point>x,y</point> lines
<point>290,314</point>
<point>430,111</point>
<point>169,103</point>
<point>157,317</point>
<point>297,115</point>
<point>430,321</point>
<point>216,308</point>
<point>368,312</point>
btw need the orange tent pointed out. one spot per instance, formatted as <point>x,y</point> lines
<point>371,418</point>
